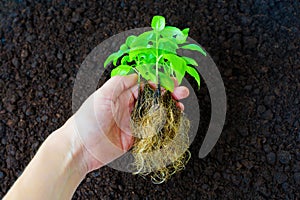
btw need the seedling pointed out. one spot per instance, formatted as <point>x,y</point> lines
<point>160,128</point>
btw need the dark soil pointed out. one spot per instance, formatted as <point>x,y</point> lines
<point>254,44</point>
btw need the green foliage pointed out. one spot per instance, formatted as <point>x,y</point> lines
<point>178,64</point>
<point>193,72</point>
<point>153,55</point>
<point>194,47</point>
<point>158,23</point>
<point>121,70</point>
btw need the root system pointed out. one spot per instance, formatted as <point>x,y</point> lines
<point>161,130</point>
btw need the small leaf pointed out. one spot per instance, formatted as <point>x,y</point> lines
<point>178,64</point>
<point>179,76</point>
<point>149,58</point>
<point>121,70</point>
<point>181,38</point>
<point>123,47</point>
<point>193,72</point>
<point>110,58</point>
<point>166,68</point>
<point>124,60</point>
<point>170,31</point>
<point>158,23</point>
<point>194,47</point>
<point>142,40</point>
<point>147,72</point>
<point>185,32</point>
<point>166,81</point>
<point>190,61</point>
<point>142,53</point>
<point>130,39</point>
<point>118,55</point>
<point>167,45</point>
<point>175,34</point>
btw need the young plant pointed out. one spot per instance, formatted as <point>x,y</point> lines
<point>160,128</point>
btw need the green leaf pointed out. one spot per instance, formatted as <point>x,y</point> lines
<point>166,81</point>
<point>194,47</point>
<point>185,32</point>
<point>121,70</point>
<point>193,72</point>
<point>149,58</point>
<point>167,45</point>
<point>147,72</point>
<point>158,23</point>
<point>190,61</point>
<point>147,54</point>
<point>119,54</point>
<point>124,60</point>
<point>170,31</point>
<point>123,47</point>
<point>178,64</point>
<point>142,40</point>
<point>110,58</point>
<point>179,76</point>
<point>175,34</point>
<point>165,67</point>
<point>181,38</point>
<point>130,39</point>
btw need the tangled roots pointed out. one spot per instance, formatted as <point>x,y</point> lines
<point>161,136</point>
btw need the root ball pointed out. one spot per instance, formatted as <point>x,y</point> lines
<point>161,136</point>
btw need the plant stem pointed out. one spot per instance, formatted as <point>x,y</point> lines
<point>157,59</point>
<point>157,91</point>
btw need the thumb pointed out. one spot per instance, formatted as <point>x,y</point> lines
<point>117,84</point>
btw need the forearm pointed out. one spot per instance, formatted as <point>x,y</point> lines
<point>55,171</point>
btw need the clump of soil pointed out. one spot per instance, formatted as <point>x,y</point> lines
<point>161,130</point>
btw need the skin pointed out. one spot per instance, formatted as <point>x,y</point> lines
<point>95,135</point>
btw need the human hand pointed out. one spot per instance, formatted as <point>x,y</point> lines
<point>102,123</point>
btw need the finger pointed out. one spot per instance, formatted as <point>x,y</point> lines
<point>152,85</point>
<point>123,107</point>
<point>127,141</point>
<point>180,106</point>
<point>117,84</point>
<point>180,92</point>
<point>134,91</point>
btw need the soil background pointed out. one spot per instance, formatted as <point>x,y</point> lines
<point>254,43</point>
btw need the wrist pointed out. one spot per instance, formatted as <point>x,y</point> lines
<point>71,148</point>
<point>81,158</point>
